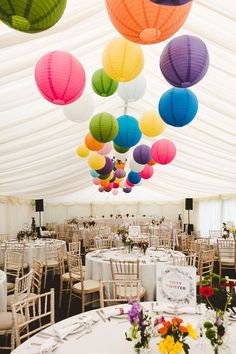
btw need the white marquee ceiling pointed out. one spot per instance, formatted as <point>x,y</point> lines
<point>37,142</point>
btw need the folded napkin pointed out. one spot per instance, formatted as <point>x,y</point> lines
<point>63,332</point>
<point>47,346</point>
<point>163,259</point>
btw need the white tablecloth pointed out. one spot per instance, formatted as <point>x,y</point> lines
<point>109,337</point>
<point>34,249</point>
<point>98,266</point>
<point>3,292</point>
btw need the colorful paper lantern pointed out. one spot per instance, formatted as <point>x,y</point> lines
<point>96,181</point>
<point>120,149</point>
<point>134,177</point>
<point>178,107</point>
<point>104,127</point>
<point>163,151</point>
<point>80,110</point>
<point>147,172</point>
<point>184,61</point>
<point>119,173</point>
<point>133,90</point>
<point>171,2</point>
<point>145,22</point>
<point>116,185</point>
<point>115,191</point>
<point>151,163</point>
<point>60,77</point>
<point>151,124</point>
<point>135,167</point>
<point>104,182</point>
<point>96,161</point>
<point>119,164</point>
<point>106,149</point>
<point>127,190</point>
<point>129,133</point>
<point>102,84</point>
<point>142,154</point>
<point>107,168</point>
<point>82,151</point>
<point>128,183</point>
<point>31,16</point>
<point>92,144</point>
<point>101,189</point>
<point>103,177</point>
<point>93,173</point>
<point>123,60</point>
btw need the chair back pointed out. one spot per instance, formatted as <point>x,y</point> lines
<point>125,270</point>
<point>74,266</point>
<point>51,252</point>
<point>185,261</point>
<point>215,233</point>
<point>205,263</point>
<point>4,237</point>
<point>101,243</point>
<point>32,315</point>
<point>37,276</point>
<point>23,284</point>
<point>226,249</point>
<point>13,263</point>
<point>75,246</point>
<point>111,290</point>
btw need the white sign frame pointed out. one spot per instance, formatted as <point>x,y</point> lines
<point>134,231</point>
<point>176,286</point>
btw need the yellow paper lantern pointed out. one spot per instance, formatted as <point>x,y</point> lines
<point>118,180</point>
<point>96,161</point>
<point>123,60</point>
<point>151,124</point>
<point>82,151</point>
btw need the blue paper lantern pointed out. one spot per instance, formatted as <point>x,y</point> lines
<point>178,107</point>
<point>93,173</point>
<point>134,177</point>
<point>129,133</point>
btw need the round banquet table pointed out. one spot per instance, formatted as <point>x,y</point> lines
<point>109,337</point>
<point>98,265</point>
<point>3,292</point>
<point>35,249</point>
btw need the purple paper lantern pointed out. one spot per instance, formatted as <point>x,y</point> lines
<point>107,168</point>
<point>142,154</point>
<point>127,190</point>
<point>171,2</point>
<point>119,173</point>
<point>184,61</point>
<point>100,189</point>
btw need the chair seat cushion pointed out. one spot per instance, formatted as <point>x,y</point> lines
<point>15,267</point>
<point>6,320</point>
<point>51,263</point>
<point>12,299</point>
<point>130,292</point>
<point>90,286</point>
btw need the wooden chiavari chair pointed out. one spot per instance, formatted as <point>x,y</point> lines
<point>226,254</point>
<point>22,289</point>
<point>205,264</point>
<point>13,268</point>
<point>185,261</point>
<point>51,259</point>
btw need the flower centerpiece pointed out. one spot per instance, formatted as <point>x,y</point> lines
<point>21,235</point>
<point>143,245</point>
<point>233,231</point>
<point>219,296</point>
<point>142,328</point>
<point>128,242</point>
<point>73,221</point>
<point>122,231</point>
<point>174,335</point>
<point>225,232</point>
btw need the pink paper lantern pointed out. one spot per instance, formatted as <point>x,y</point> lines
<point>147,172</point>
<point>115,191</point>
<point>163,151</point>
<point>106,149</point>
<point>128,183</point>
<point>96,181</point>
<point>60,77</point>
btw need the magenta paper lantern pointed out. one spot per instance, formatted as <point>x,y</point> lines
<point>101,189</point>
<point>119,173</point>
<point>116,185</point>
<point>106,149</point>
<point>147,172</point>
<point>115,192</point>
<point>96,181</point>
<point>128,183</point>
<point>142,154</point>
<point>163,151</point>
<point>60,77</point>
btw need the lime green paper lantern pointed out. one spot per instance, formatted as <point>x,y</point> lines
<point>104,127</point>
<point>31,16</point>
<point>120,149</point>
<point>102,84</point>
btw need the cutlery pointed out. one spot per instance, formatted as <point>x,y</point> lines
<point>47,335</point>
<point>101,316</point>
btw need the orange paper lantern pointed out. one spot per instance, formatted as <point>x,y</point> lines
<point>93,144</point>
<point>146,22</point>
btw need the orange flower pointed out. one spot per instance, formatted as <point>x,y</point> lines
<point>177,320</point>
<point>166,324</point>
<point>183,329</point>
<point>163,330</point>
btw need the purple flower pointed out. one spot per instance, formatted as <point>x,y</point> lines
<point>218,321</point>
<point>134,312</point>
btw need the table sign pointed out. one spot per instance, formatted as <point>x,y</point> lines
<point>176,286</point>
<point>134,231</point>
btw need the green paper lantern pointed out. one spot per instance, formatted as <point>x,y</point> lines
<point>120,149</point>
<point>104,127</point>
<point>31,16</point>
<point>102,84</point>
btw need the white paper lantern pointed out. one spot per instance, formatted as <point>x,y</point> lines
<point>120,156</point>
<point>80,110</point>
<point>133,90</point>
<point>135,167</point>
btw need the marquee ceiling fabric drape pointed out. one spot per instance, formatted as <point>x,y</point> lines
<point>37,142</point>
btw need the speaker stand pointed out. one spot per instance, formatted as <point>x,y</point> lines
<point>40,219</point>
<point>188,216</point>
